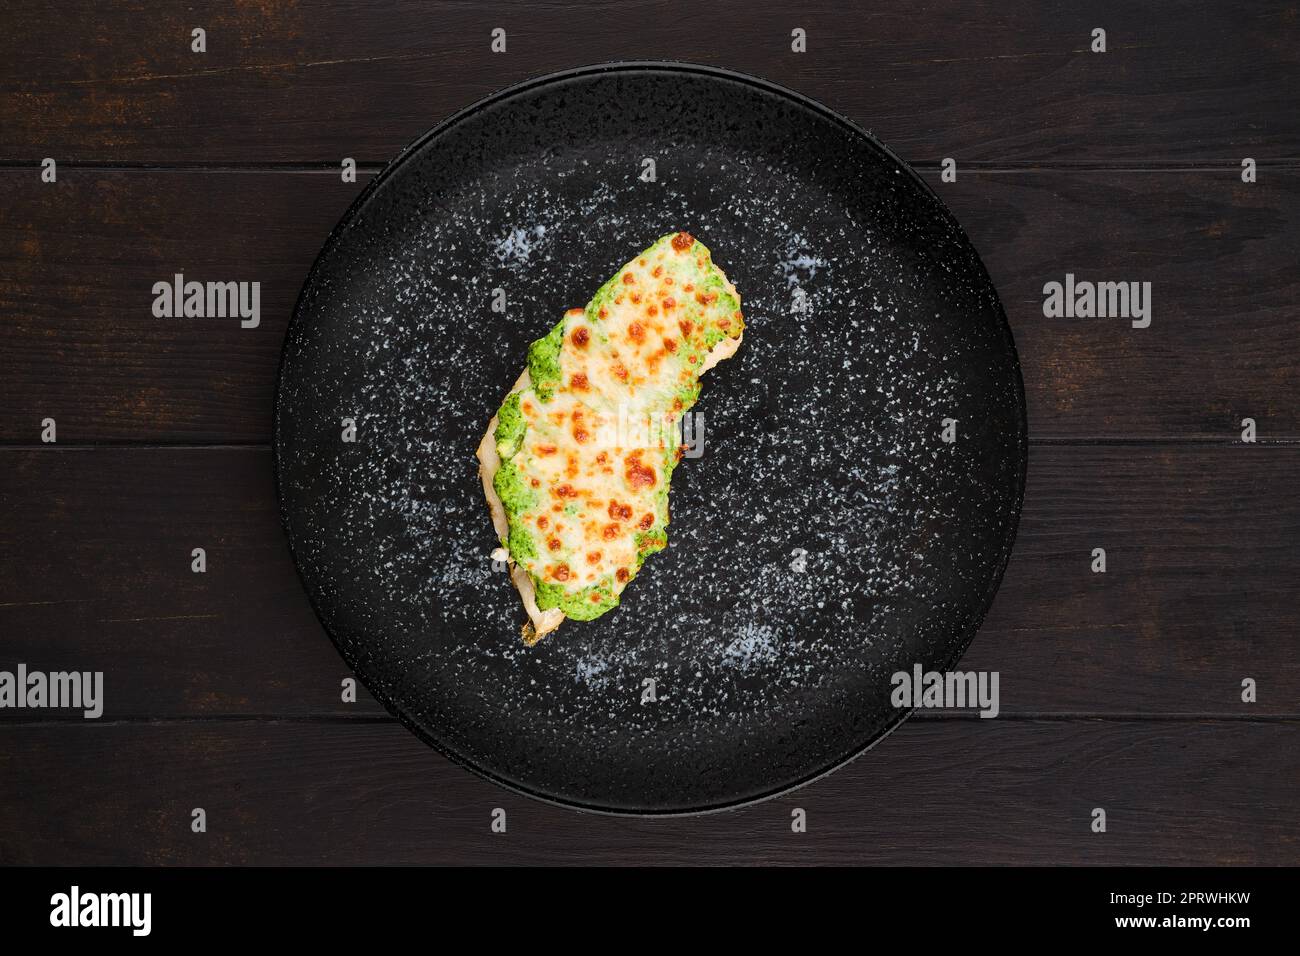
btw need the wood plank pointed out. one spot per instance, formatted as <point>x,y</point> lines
<point>1202,584</point>
<point>935,792</point>
<point>79,343</point>
<point>78,261</point>
<point>1190,80</point>
<point>1222,344</point>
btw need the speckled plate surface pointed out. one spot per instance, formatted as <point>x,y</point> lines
<point>826,538</point>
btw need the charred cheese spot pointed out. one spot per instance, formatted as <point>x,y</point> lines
<point>622,574</point>
<point>578,382</point>
<point>580,337</point>
<point>629,278</point>
<point>637,472</point>
<point>647,521</point>
<point>611,531</point>
<point>683,241</point>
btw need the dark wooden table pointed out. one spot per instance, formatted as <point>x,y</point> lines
<point>1120,690</point>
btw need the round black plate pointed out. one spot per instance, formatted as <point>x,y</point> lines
<point>827,537</point>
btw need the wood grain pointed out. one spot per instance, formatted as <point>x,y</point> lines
<point>79,343</point>
<point>1184,81</point>
<point>934,792</point>
<point>77,264</point>
<point>1203,575</point>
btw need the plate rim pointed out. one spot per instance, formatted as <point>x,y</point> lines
<point>631,66</point>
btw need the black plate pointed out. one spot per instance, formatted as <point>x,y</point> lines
<point>822,447</point>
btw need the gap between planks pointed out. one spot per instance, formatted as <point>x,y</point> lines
<point>346,719</point>
<point>369,167</point>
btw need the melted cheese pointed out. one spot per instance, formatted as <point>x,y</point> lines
<point>601,436</point>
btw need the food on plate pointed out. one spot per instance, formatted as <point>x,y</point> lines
<point>577,462</point>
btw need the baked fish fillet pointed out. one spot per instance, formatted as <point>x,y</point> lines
<point>577,461</point>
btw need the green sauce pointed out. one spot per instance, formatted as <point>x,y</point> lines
<point>544,362</point>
